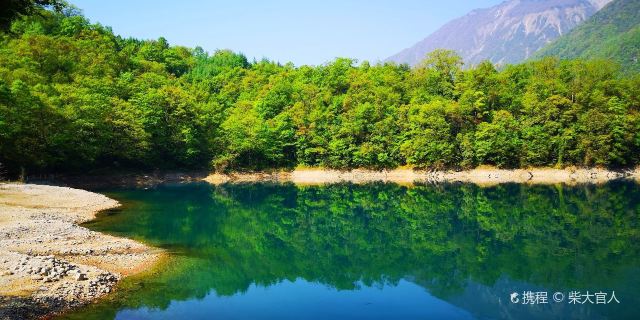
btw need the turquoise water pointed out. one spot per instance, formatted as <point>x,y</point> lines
<point>377,251</point>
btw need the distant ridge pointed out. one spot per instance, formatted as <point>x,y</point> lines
<point>612,33</point>
<point>507,33</point>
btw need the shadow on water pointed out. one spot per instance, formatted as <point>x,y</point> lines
<point>457,248</point>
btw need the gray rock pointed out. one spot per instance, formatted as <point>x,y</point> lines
<point>501,33</point>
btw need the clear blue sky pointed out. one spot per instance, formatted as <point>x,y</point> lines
<point>303,32</point>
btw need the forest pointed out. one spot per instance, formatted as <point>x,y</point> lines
<point>75,97</point>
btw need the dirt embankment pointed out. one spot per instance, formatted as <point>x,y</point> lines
<point>49,263</point>
<point>480,176</point>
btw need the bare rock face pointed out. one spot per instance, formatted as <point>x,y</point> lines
<point>507,33</point>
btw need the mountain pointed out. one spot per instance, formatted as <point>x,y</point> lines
<point>506,33</point>
<point>612,33</point>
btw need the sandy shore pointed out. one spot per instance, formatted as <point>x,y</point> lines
<point>49,263</point>
<point>480,176</point>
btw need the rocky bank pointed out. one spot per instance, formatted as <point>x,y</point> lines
<point>48,262</point>
<point>480,176</point>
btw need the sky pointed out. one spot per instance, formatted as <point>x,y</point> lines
<point>302,32</point>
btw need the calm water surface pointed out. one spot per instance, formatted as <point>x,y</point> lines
<point>377,251</point>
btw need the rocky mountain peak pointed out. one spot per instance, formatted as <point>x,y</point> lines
<point>506,33</point>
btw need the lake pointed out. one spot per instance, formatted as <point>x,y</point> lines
<point>379,251</point>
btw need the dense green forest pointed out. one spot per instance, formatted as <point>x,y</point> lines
<point>74,96</point>
<point>612,33</point>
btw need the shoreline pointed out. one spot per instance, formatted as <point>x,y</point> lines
<point>479,176</point>
<point>483,176</point>
<point>48,262</point>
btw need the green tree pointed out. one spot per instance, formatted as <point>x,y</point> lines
<point>498,142</point>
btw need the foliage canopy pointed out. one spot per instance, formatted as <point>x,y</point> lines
<point>74,96</point>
